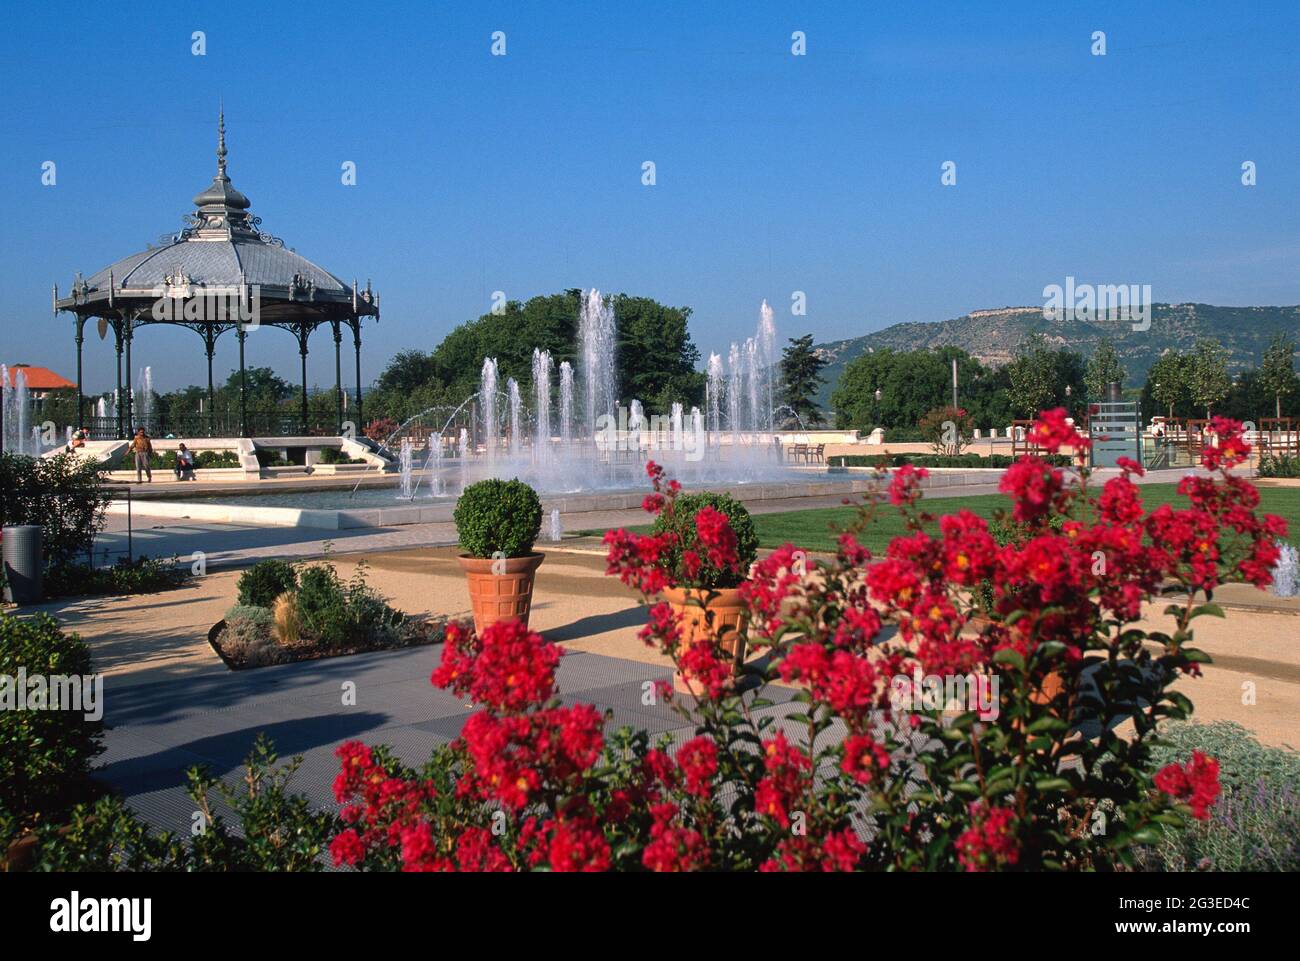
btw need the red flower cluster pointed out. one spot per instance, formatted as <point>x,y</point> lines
<point>1229,448</point>
<point>673,847</point>
<point>386,808</point>
<point>773,589</point>
<point>990,843</point>
<point>1197,783</point>
<point>713,529</point>
<point>698,760</point>
<point>1036,489</point>
<point>905,485</point>
<point>1051,432</point>
<point>508,668</point>
<point>518,756</point>
<point>636,559</point>
<point>779,793</point>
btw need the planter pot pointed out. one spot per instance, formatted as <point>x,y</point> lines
<point>505,594</point>
<point>21,853</point>
<point>725,618</point>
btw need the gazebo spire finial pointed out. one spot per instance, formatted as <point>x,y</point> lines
<point>221,139</point>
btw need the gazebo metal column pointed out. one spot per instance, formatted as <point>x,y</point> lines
<point>338,378</point>
<point>210,342</point>
<point>117,395</point>
<point>304,330</point>
<point>356,341</point>
<point>243,382</point>
<point>128,399</point>
<point>79,323</point>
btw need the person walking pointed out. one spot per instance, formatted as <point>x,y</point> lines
<point>142,447</point>
<point>184,464</point>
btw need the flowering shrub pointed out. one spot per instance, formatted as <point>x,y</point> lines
<point>867,772</point>
<point>947,429</point>
<point>706,540</point>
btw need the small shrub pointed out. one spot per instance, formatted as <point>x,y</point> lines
<point>144,575</point>
<point>45,755</point>
<point>946,429</point>
<point>266,580</point>
<point>1254,826</point>
<point>681,521</point>
<point>332,455</point>
<point>380,430</point>
<point>63,494</point>
<point>1274,466</point>
<point>286,620</point>
<point>323,605</point>
<point>278,830</point>
<point>248,641</point>
<point>249,612</point>
<point>496,515</point>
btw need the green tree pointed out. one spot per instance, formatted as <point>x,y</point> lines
<point>655,357</point>
<point>913,382</point>
<point>1168,382</point>
<point>1042,377</point>
<point>1277,371</point>
<point>1207,374</point>
<point>264,389</point>
<point>801,378</point>
<point>1103,369</point>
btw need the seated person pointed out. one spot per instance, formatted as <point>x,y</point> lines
<point>184,469</point>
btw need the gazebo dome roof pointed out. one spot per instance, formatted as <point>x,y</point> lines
<point>221,262</point>
<point>221,248</point>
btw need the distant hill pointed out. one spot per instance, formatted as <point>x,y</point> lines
<point>993,335</point>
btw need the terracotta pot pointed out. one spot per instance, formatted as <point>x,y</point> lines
<point>503,594</point>
<point>725,618</point>
<point>21,853</point>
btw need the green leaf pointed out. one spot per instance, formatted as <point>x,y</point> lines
<point>1009,656</point>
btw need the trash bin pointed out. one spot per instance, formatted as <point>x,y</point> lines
<point>23,563</point>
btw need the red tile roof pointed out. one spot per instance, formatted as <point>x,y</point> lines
<point>39,378</point>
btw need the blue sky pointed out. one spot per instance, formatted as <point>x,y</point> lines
<point>775,173</point>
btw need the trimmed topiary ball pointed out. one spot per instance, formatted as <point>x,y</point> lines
<point>682,522</point>
<point>497,515</point>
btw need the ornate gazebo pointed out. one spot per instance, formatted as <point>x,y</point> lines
<point>220,273</point>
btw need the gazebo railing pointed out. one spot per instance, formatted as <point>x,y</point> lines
<point>264,423</point>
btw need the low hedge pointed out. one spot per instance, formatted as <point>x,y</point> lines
<point>1271,466</point>
<point>203,459</point>
<point>143,575</point>
<point>332,455</point>
<point>938,460</point>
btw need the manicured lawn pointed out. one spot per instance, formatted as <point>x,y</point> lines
<point>817,529</point>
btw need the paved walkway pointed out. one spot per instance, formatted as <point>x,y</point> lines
<point>170,703</point>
